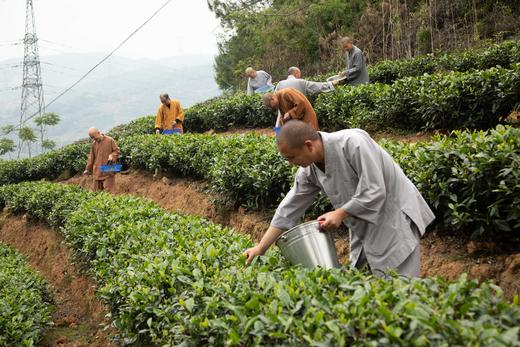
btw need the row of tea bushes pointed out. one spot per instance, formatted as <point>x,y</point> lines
<point>476,100</point>
<point>247,170</point>
<point>25,301</point>
<point>51,165</point>
<point>503,54</point>
<point>180,280</point>
<point>469,178</point>
<point>446,101</point>
<point>218,114</point>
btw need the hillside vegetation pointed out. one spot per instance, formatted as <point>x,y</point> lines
<point>275,34</point>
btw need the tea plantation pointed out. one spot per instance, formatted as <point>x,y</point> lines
<point>172,279</point>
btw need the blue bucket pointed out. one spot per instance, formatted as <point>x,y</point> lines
<point>175,131</point>
<point>111,168</point>
<point>277,130</point>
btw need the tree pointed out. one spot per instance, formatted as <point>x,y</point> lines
<point>7,129</point>
<point>48,144</point>
<point>44,121</point>
<point>6,146</point>
<point>27,136</point>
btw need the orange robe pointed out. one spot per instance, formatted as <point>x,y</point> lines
<point>294,103</point>
<point>166,116</point>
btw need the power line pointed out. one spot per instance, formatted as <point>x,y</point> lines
<point>102,60</point>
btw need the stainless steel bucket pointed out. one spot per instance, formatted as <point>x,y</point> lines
<point>305,244</point>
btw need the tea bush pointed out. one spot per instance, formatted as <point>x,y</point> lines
<point>49,165</point>
<point>25,301</point>
<point>453,100</point>
<point>173,280</point>
<point>503,54</point>
<point>140,126</point>
<point>476,100</point>
<point>470,178</point>
<point>479,197</point>
<point>221,113</point>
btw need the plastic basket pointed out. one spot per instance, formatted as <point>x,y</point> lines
<point>264,89</point>
<point>277,130</point>
<point>336,78</point>
<point>175,131</point>
<point>111,168</point>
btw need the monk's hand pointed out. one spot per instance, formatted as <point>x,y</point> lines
<point>85,172</point>
<point>332,220</point>
<point>286,117</point>
<point>253,252</point>
<point>110,158</point>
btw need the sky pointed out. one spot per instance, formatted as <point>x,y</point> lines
<point>183,27</point>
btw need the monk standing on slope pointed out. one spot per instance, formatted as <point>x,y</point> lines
<point>169,115</point>
<point>385,213</point>
<point>104,150</point>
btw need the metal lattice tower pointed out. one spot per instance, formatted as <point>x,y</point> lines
<point>32,88</point>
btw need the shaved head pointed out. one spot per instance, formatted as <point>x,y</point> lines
<point>95,134</point>
<point>266,98</point>
<point>295,133</point>
<point>295,71</point>
<point>93,131</point>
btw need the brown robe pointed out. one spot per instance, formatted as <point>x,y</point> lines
<point>98,156</point>
<point>294,103</point>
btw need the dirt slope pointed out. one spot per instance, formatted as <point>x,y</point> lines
<point>79,316</point>
<point>441,255</point>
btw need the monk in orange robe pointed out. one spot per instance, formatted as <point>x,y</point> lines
<point>292,105</point>
<point>169,115</point>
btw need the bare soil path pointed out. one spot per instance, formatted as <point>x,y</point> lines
<point>79,316</point>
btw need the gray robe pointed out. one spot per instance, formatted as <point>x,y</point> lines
<point>364,180</point>
<point>262,79</point>
<point>308,88</point>
<point>356,70</point>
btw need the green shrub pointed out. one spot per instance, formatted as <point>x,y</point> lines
<point>25,301</point>
<point>139,126</point>
<point>480,197</point>
<point>503,55</point>
<point>49,165</point>
<point>454,100</point>
<point>250,171</point>
<point>221,113</point>
<point>472,179</point>
<point>172,280</point>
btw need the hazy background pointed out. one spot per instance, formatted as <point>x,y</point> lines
<point>173,53</point>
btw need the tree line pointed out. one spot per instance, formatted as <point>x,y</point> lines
<point>275,34</point>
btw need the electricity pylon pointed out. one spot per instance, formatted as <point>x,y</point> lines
<point>32,87</point>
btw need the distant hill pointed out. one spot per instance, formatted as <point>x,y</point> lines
<point>118,91</point>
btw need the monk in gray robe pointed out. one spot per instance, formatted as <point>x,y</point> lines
<point>104,150</point>
<point>385,213</point>
<point>257,79</point>
<point>308,88</point>
<point>356,68</point>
